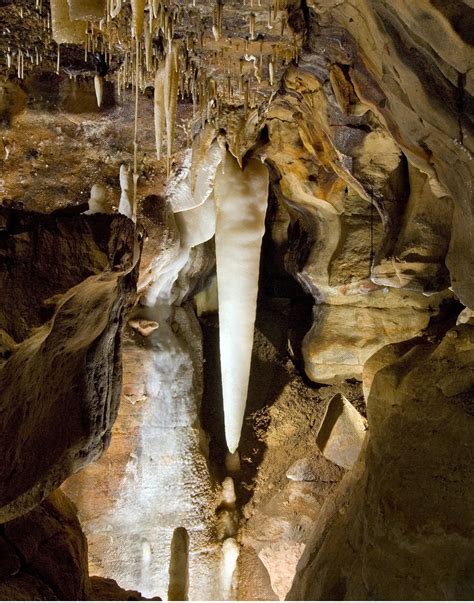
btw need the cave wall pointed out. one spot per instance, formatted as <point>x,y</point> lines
<point>396,528</point>
<point>368,139</point>
<point>70,281</point>
<point>399,527</point>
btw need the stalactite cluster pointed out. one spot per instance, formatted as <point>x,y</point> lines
<point>168,46</point>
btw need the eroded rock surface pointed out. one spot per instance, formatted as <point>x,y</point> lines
<point>44,558</point>
<point>44,554</point>
<point>71,282</point>
<point>369,163</point>
<point>400,528</point>
<point>155,478</point>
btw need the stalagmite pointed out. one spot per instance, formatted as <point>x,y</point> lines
<point>241,199</point>
<point>126,186</point>
<point>230,553</point>
<point>179,566</point>
<point>98,200</point>
<point>99,89</point>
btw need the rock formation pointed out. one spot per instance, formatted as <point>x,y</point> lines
<point>44,557</point>
<point>406,509</point>
<point>69,282</point>
<point>341,131</point>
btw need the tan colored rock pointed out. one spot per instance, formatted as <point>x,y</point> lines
<point>400,526</point>
<point>413,88</point>
<point>466,316</point>
<point>416,261</point>
<point>384,357</point>
<point>281,560</point>
<point>344,337</point>
<point>362,222</point>
<point>341,432</point>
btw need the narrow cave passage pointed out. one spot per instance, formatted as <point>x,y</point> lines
<point>137,142</point>
<point>282,418</point>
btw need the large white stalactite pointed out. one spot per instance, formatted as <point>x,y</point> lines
<point>241,199</point>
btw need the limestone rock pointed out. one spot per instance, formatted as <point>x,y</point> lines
<point>369,229</point>
<point>51,554</point>
<point>400,527</point>
<point>44,557</point>
<point>281,560</point>
<point>344,337</point>
<point>341,432</point>
<point>419,88</point>
<point>71,282</point>
<point>157,449</point>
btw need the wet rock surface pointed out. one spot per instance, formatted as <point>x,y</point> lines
<point>367,132</point>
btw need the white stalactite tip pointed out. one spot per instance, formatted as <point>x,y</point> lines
<point>99,89</point>
<point>241,200</point>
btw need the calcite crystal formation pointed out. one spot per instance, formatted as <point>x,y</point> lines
<point>350,123</point>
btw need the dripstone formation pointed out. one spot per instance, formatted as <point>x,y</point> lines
<point>236,312</point>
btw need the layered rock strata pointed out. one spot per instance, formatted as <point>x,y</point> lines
<point>71,282</point>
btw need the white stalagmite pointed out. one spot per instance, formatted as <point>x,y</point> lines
<point>230,554</point>
<point>178,586</point>
<point>99,89</point>
<point>98,200</point>
<point>241,199</point>
<point>126,186</point>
